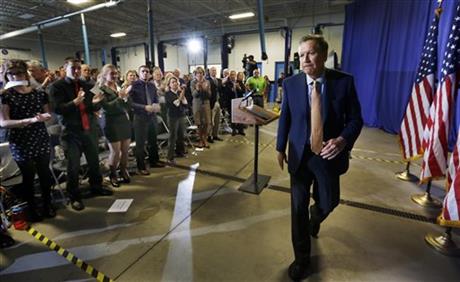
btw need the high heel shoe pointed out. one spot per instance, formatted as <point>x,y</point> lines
<point>114,181</point>
<point>114,177</point>
<point>125,177</point>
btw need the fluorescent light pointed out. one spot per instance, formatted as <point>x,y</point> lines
<point>77,2</point>
<point>118,34</point>
<point>111,3</point>
<point>194,45</point>
<point>242,16</point>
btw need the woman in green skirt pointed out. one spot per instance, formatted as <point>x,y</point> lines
<point>117,127</point>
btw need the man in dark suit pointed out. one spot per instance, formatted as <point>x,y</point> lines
<point>321,120</point>
<point>72,99</point>
<point>145,103</point>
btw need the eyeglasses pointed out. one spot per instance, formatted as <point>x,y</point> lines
<point>113,73</point>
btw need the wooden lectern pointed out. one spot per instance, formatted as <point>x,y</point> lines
<point>244,111</point>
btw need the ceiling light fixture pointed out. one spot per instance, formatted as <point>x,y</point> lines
<point>242,16</point>
<point>118,34</point>
<point>77,2</point>
<point>194,45</point>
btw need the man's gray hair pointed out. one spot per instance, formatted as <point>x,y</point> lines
<point>35,64</point>
<point>320,42</point>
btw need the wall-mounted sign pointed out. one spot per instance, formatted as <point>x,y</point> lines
<point>4,52</point>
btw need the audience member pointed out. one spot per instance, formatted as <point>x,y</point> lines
<point>72,98</point>
<point>117,125</point>
<point>176,104</point>
<point>145,104</point>
<point>201,93</point>
<point>24,111</point>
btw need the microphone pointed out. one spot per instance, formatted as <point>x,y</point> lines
<point>248,95</point>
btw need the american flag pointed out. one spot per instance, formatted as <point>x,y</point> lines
<point>434,159</point>
<point>417,111</point>
<point>451,206</point>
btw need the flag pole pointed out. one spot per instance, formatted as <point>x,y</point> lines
<point>425,199</point>
<point>443,243</point>
<point>406,175</point>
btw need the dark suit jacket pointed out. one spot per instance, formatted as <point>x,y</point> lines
<point>138,98</point>
<point>215,90</point>
<point>341,117</point>
<point>62,93</point>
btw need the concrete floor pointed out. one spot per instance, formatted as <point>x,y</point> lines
<point>187,225</point>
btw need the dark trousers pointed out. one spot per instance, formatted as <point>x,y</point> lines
<point>327,190</point>
<point>39,165</point>
<point>76,143</point>
<point>145,129</point>
<point>176,136</point>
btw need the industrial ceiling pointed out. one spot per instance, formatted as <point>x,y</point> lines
<point>171,18</point>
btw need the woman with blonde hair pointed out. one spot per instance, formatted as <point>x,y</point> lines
<point>201,92</point>
<point>130,77</point>
<point>117,125</point>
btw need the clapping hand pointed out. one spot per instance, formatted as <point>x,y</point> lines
<point>124,92</point>
<point>98,97</point>
<point>42,117</point>
<point>149,108</point>
<point>80,97</point>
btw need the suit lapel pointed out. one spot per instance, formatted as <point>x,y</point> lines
<point>302,99</point>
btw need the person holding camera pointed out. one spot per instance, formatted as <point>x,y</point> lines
<point>250,66</point>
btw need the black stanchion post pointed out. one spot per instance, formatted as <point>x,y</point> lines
<point>443,243</point>
<point>406,175</point>
<point>256,155</point>
<point>255,183</point>
<point>425,199</point>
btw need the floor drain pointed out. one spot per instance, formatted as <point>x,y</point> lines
<point>389,211</point>
<point>374,208</point>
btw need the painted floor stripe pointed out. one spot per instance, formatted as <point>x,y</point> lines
<point>69,256</point>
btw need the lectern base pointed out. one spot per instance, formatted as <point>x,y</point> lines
<point>251,187</point>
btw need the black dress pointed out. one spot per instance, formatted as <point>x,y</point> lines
<point>117,124</point>
<point>31,141</point>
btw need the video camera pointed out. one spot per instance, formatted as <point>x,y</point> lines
<point>244,61</point>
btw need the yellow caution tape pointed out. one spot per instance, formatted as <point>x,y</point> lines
<point>69,256</point>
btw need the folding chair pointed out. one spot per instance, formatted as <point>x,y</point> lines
<point>162,135</point>
<point>191,131</point>
<point>225,127</point>
<point>57,160</point>
<point>10,175</point>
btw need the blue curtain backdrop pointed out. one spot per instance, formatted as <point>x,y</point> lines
<point>382,43</point>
